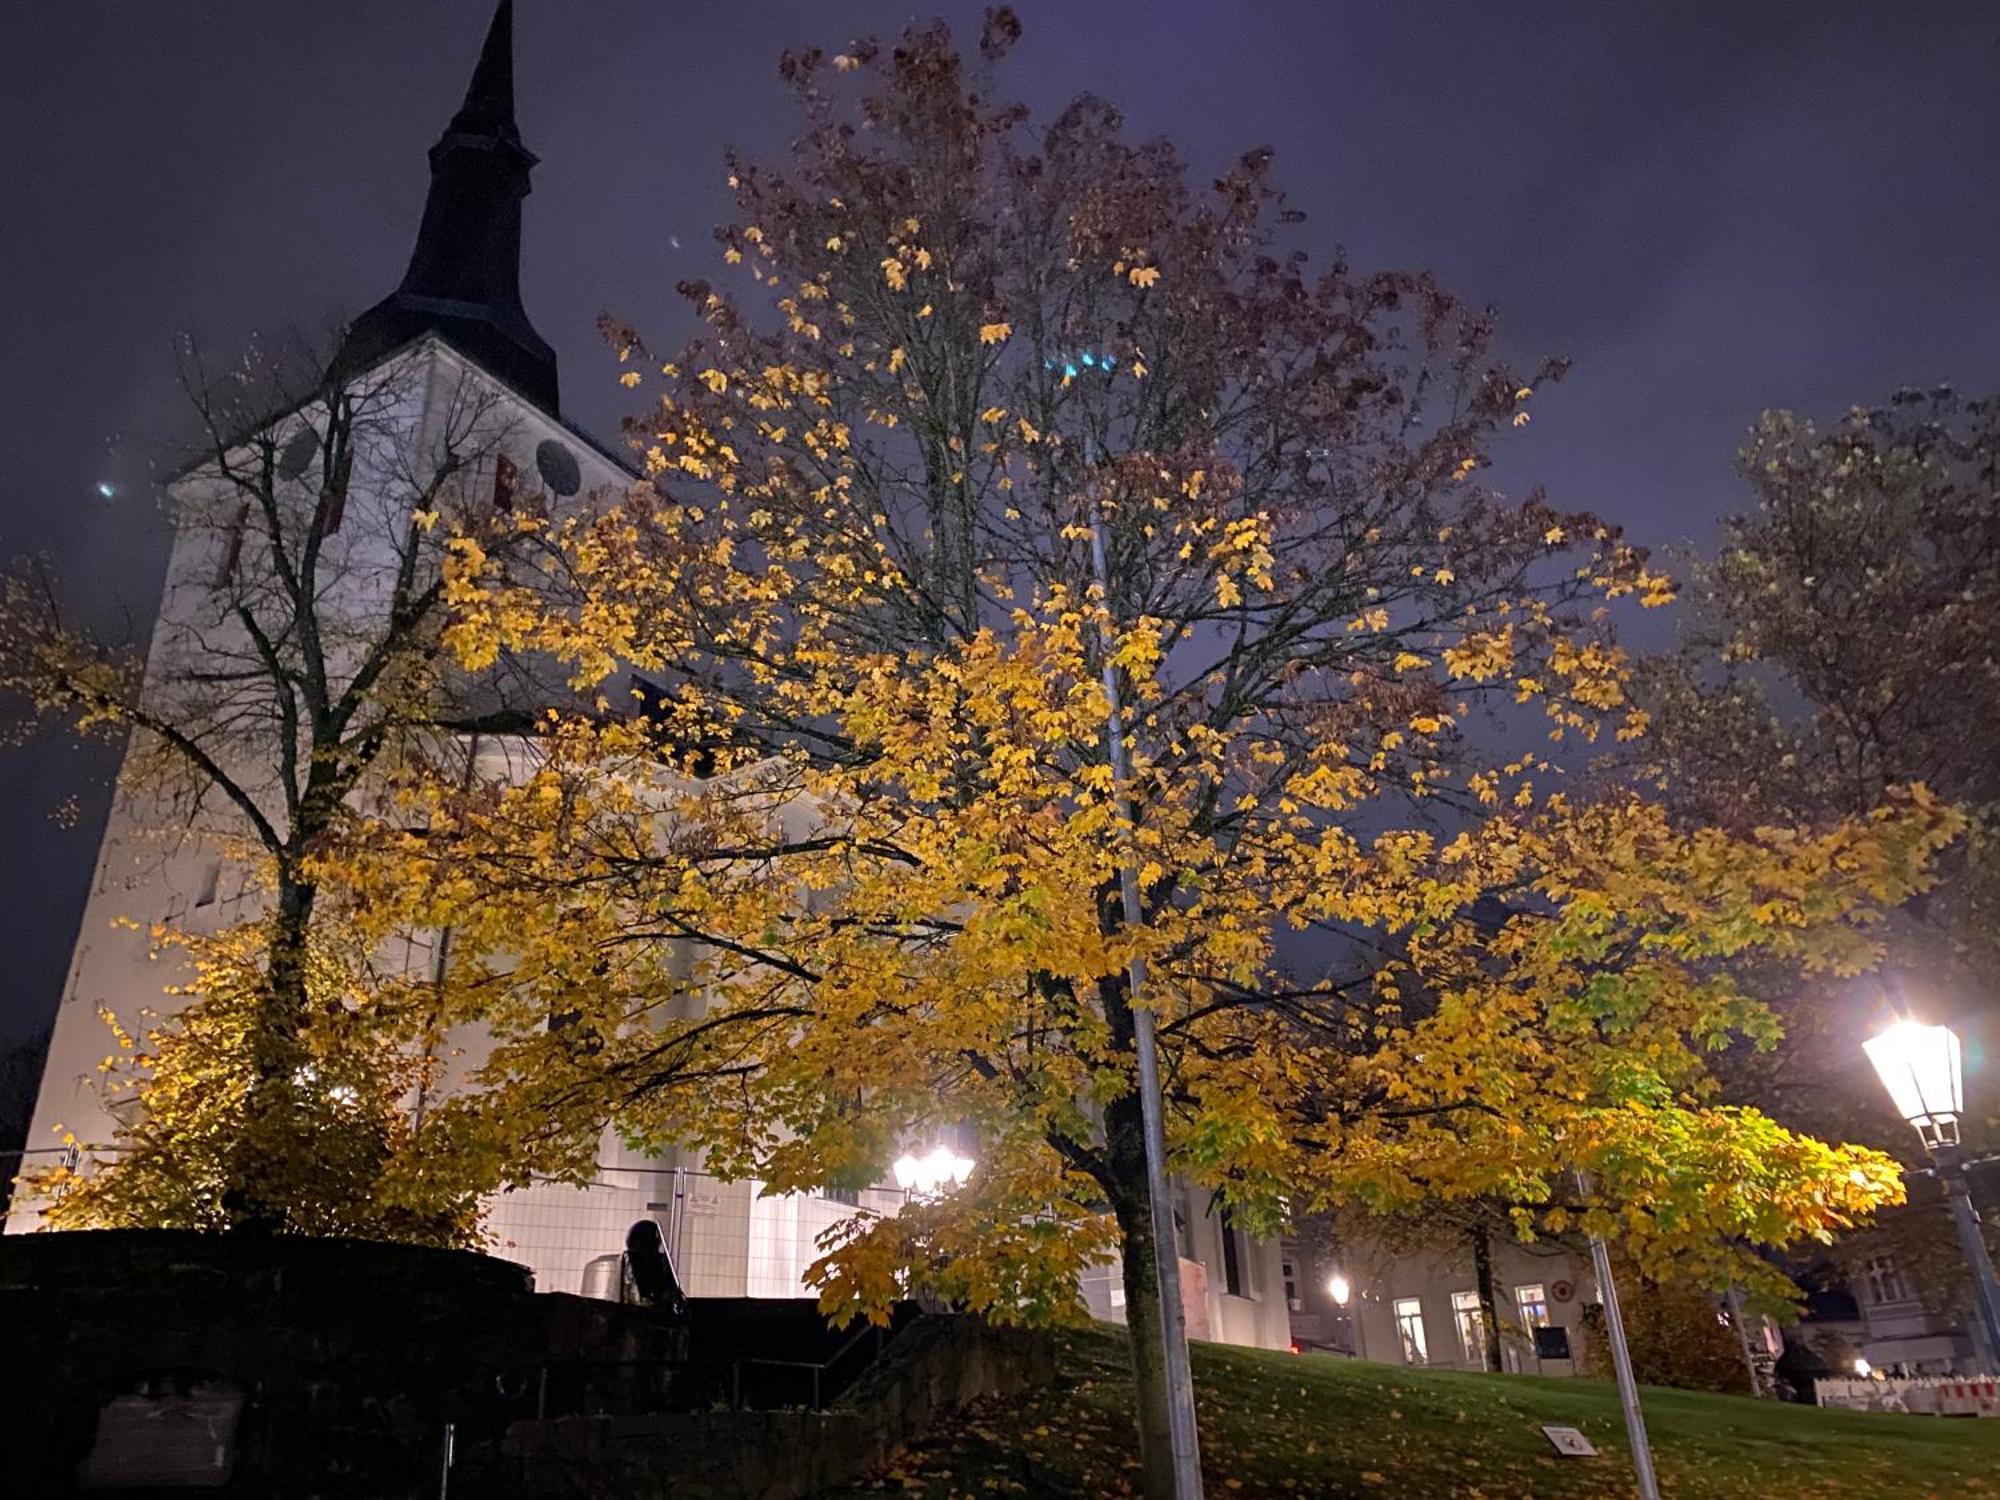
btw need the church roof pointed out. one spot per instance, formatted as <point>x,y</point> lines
<point>464,278</point>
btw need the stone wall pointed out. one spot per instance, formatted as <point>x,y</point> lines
<point>282,1366</point>
<point>932,1368</point>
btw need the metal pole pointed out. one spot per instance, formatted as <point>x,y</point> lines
<point>1743,1340</point>
<point>1985,1296</point>
<point>1181,1427</point>
<point>1621,1361</point>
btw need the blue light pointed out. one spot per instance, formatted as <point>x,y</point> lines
<point>1069,371</point>
<point>1090,359</point>
<point>106,489</point>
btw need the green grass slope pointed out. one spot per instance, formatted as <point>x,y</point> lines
<point>1289,1426</point>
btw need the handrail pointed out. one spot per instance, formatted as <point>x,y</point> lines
<point>735,1364</point>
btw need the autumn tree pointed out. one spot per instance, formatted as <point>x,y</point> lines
<point>949,355</point>
<point>1679,1333</point>
<point>295,679</point>
<point>1840,643</point>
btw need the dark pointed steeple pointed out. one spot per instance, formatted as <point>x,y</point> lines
<point>464,278</point>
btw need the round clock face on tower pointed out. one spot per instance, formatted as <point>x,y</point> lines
<point>557,466</point>
<point>297,453</point>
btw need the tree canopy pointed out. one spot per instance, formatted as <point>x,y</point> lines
<point>817,854</point>
<point>861,590</point>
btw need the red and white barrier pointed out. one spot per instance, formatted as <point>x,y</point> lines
<point>1928,1395</point>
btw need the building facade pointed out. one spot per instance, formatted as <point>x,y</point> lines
<point>1359,1298</point>
<point>1899,1332</point>
<point>454,337</point>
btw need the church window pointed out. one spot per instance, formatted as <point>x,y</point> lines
<point>297,453</point>
<point>506,477</point>
<point>232,546</point>
<point>1883,1281</point>
<point>333,500</point>
<point>1239,1265</point>
<point>558,468</point>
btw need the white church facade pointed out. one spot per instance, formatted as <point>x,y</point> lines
<point>455,332</point>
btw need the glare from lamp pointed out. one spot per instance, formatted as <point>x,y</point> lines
<point>932,1173</point>
<point>1339,1288</point>
<point>1863,1368</point>
<point>1920,1067</point>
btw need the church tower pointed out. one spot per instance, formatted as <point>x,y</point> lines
<point>464,277</point>
<point>452,344</point>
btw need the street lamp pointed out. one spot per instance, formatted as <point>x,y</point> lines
<point>1341,1290</point>
<point>1920,1067</point>
<point>930,1174</point>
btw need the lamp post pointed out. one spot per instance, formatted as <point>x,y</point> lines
<point>1341,1290</point>
<point>1921,1068</point>
<point>1621,1361</point>
<point>1182,1428</point>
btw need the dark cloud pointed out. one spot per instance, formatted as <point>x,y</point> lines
<point>1712,207</point>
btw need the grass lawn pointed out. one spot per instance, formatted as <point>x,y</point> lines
<point>1291,1426</point>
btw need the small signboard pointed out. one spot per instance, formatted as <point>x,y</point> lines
<point>1552,1342</point>
<point>1563,1291</point>
<point>1569,1442</point>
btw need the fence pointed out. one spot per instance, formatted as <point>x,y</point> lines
<point>1929,1395</point>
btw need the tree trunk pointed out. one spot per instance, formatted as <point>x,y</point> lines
<point>1125,1140</point>
<point>1149,1352</point>
<point>1489,1308</point>
<point>270,1147</point>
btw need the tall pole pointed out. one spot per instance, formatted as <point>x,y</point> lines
<point>1736,1317</point>
<point>1181,1429</point>
<point>1985,1295</point>
<point>1621,1361</point>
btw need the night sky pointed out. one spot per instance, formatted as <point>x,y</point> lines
<point>1712,207</point>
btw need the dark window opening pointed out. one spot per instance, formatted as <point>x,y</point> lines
<point>1232,1259</point>
<point>506,478</point>
<point>232,547</point>
<point>333,499</point>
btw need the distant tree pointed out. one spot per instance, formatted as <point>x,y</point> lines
<point>1678,1333</point>
<point>865,594</point>
<point>1845,640</point>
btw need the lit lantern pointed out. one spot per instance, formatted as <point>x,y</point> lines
<point>1919,1066</point>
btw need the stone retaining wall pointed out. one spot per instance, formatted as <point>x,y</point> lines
<point>934,1367</point>
<point>276,1366</point>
